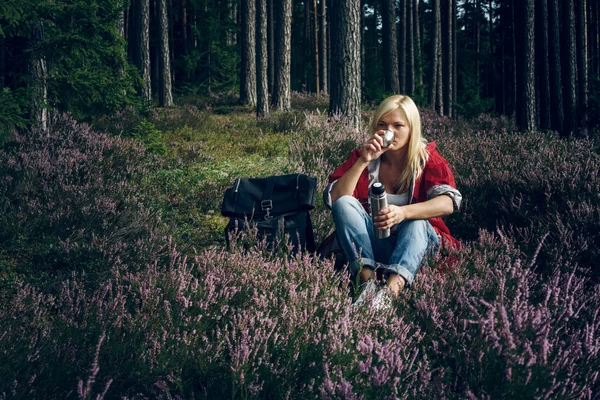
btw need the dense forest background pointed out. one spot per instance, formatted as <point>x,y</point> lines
<point>535,60</point>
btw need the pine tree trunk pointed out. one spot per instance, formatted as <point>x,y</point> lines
<point>38,71</point>
<point>262,93</point>
<point>454,58</point>
<point>165,89</point>
<point>556,94</point>
<point>582,60</point>
<point>307,47</point>
<point>390,54</point>
<point>543,64</point>
<point>410,49</point>
<point>143,47</point>
<point>316,47</point>
<point>447,54</point>
<point>283,49</point>
<point>570,63</point>
<point>435,57</point>
<point>248,56</point>
<point>418,50</point>
<point>323,41</point>
<point>514,57</point>
<point>492,79</point>
<point>271,44</point>
<point>526,103</point>
<point>402,46</point>
<point>345,60</point>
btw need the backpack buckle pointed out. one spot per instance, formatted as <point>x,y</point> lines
<point>267,205</point>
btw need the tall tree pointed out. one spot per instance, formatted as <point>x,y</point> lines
<point>39,78</point>
<point>410,49</point>
<point>262,103</point>
<point>556,94</point>
<point>390,47</point>
<point>435,58</point>
<point>543,64</point>
<point>283,46</point>
<point>143,48</point>
<point>526,102</point>
<point>316,47</point>
<point>165,87</point>
<point>402,45</point>
<point>570,68</point>
<point>582,58</point>
<point>345,60</point>
<point>323,45</point>
<point>248,53</point>
<point>418,47</point>
<point>447,55</point>
<point>271,44</point>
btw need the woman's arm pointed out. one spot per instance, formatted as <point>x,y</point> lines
<point>439,206</point>
<point>346,184</point>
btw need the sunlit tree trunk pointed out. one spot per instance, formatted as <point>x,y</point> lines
<point>419,47</point>
<point>316,47</point>
<point>390,47</point>
<point>435,57</point>
<point>165,88</point>
<point>410,49</point>
<point>262,103</point>
<point>248,56</point>
<point>345,60</point>
<point>283,47</point>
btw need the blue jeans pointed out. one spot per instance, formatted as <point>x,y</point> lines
<point>400,253</point>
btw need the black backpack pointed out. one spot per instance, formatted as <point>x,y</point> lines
<point>276,205</point>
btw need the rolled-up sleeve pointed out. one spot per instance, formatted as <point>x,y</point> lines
<point>439,181</point>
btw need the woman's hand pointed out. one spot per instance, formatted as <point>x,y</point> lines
<point>390,216</point>
<point>372,149</point>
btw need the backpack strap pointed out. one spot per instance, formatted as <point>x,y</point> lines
<point>266,203</point>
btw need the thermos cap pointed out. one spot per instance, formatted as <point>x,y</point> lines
<point>378,188</point>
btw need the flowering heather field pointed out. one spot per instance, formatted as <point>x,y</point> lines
<point>115,281</point>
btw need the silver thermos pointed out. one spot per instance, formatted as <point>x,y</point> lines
<point>378,199</point>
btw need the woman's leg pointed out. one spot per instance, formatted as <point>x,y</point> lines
<point>415,240</point>
<point>354,230</point>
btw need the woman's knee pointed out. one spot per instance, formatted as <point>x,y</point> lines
<point>345,203</point>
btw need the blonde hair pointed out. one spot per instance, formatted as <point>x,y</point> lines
<point>417,155</point>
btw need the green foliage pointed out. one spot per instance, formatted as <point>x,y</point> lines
<point>150,136</point>
<point>12,111</point>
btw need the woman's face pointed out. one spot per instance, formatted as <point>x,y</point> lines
<point>397,122</point>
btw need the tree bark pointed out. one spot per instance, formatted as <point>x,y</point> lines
<point>582,60</point>
<point>402,46</point>
<point>435,57</point>
<point>345,60</point>
<point>143,48</point>
<point>262,95</point>
<point>283,48</point>
<point>556,94</point>
<point>410,49</point>
<point>543,64</point>
<point>323,41</point>
<point>316,47</point>
<point>447,53</point>
<point>570,64</point>
<point>271,45</point>
<point>526,106</point>
<point>165,88</point>
<point>390,47</point>
<point>248,56</point>
<point>38,71</point>
<point>418,48</point>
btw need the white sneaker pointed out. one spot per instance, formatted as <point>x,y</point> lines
<point>383,300</point>
<point>368,291</point>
